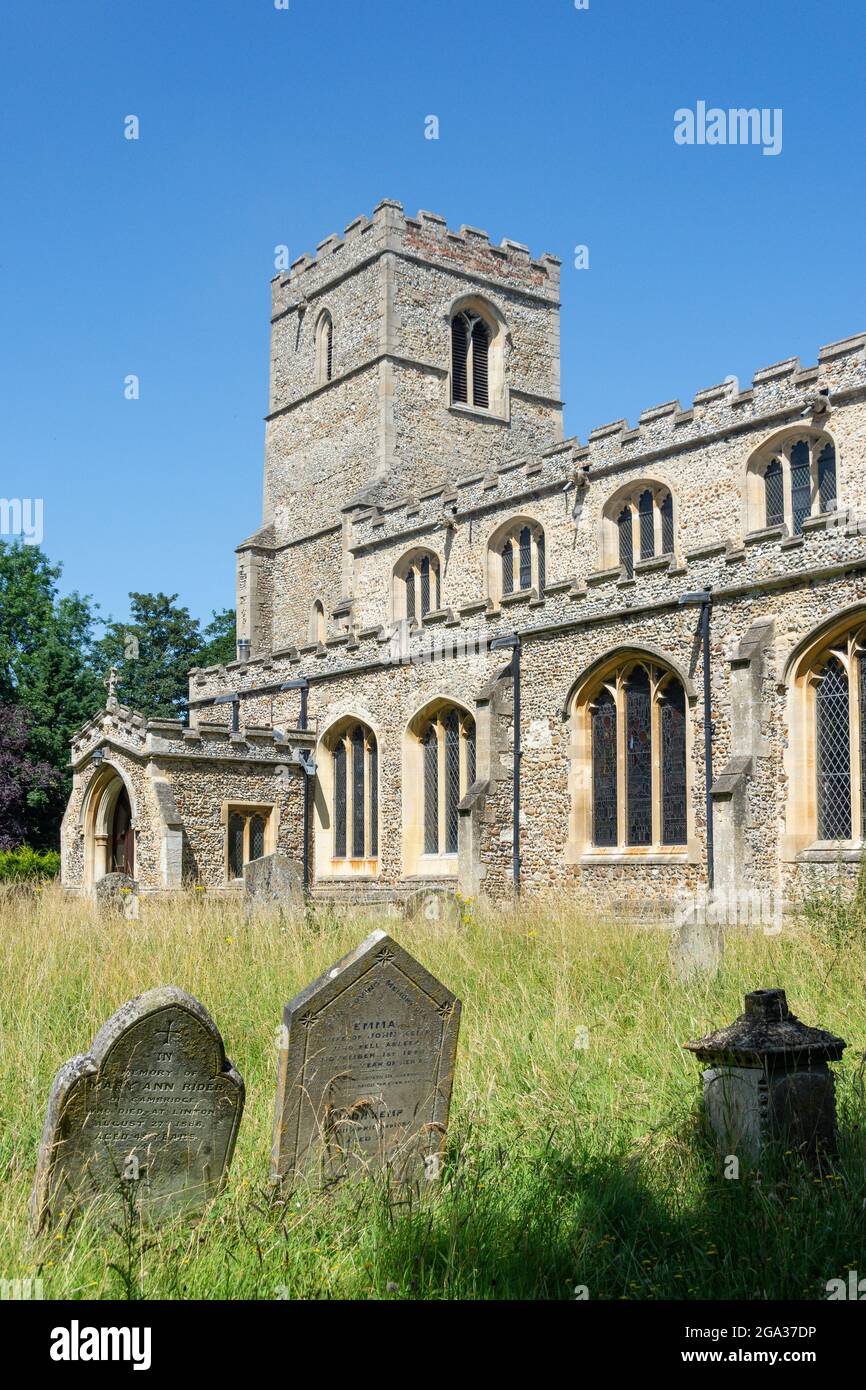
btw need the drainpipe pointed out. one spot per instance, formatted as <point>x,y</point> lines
<point>704,599</point>
<point>513,644</point>
<point>303,685</point>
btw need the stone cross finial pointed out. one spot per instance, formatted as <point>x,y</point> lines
<point>111,683</point>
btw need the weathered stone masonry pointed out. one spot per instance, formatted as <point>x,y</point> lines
<point>372,465</point>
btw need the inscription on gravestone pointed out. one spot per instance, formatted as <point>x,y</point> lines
<point>152,1111</point>
<point>366,1067</point>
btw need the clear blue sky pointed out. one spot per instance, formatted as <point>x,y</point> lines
<point>262,126</point>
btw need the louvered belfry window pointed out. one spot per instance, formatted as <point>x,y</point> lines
<point>470,360</point>
<point>833,754</point>
<point>639,795</point>
<point>356,793</point>
<point>448,769</point>
<point>480,347</point>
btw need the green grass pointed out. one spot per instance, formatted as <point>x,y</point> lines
<point>565,1166</point>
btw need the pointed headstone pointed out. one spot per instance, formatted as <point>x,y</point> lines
<point>366,1067</point>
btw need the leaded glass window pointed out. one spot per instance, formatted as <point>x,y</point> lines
<point>827,479</point>
<point>356,793</point>
<point>508,568</point>
<point>358,803</point>
<point>638,750</point>
<point>542,577</point>
<point>419,577</point>
<point>236,846</point>
<point>801,485</point>
<point>774,493</point>
<point>430,745</point>
<point>673,768</point>
<point>340,800</point>
<point>246,833</point>
<point>374,798</point>
<point>526,558</point>
<point>257,837</point>
<point>861,697</point>
<point>833,754</point>
<point>604,779</point>
<point>626,549</point>
<point>448,769</point>
<point>470,753</point>
<point>452,781</point>
<point>647,525</point>
<point>667,513</point>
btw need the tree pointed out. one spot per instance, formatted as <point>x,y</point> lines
<point>220,642</point>
<point>21,778</point>
<point>46,671</point>
<point>156,649</point>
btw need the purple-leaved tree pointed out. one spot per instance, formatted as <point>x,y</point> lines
<point>21,781</point>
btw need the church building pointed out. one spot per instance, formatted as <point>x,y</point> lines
<point>475,655</point>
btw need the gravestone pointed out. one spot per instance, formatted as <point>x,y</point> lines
<point>273,881</point>
<point>438,906</point>
<point>116,892</point>
<point>696,946</point>
<point>150,1114</point>
<point>366,1067</point>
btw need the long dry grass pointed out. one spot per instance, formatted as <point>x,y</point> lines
<point>567,1165</point>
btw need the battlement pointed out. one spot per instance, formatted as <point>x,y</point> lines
<point>776,389</point>
<point>426,237</point>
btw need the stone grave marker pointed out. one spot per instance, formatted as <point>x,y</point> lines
<point>366,1067</point>
<point>271,882</point>
<point>155,1104</point>
<point>116,892</point>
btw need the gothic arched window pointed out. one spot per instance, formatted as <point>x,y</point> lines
<point>355,782</point>
<point>640,524</point>
<point>470,352</point>
<point>799,481</point>
<point>521,555</point>
<point>447,740</point>
<point>416,585</point>
<point>636,728</point>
